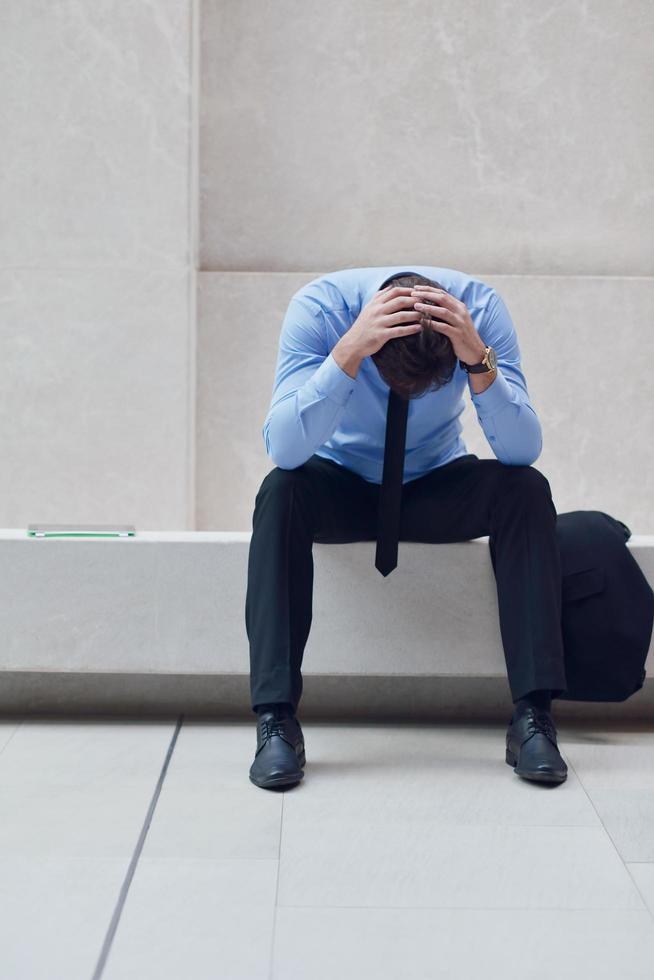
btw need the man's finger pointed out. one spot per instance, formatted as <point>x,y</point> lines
<point>401,316</point>
<point>398,303</point>
<point>437,322</point>
<point>402,331</point>
<point>432,308</point>
<point>434,312</point>
<point>395,290</point>
<point>433,291</point>
<point>440,296</point>
<point>440,326</point>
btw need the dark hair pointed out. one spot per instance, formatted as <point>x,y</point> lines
<point>419,362</point>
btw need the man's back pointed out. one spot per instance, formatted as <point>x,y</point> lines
<point>317,408</point>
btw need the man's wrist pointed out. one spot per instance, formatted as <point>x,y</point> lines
<point>481,381</point>
<point>347,355</point>
<point>478,359</point>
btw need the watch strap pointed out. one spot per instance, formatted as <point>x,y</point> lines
<point>479,368</point>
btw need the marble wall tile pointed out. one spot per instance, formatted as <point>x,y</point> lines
<point>586,352</point>
<point>505,136</point>
<point>302,108</point>
<point>239,318</point>
<point>95,415</point>
<point>96,125</point>
<point>96,278</point>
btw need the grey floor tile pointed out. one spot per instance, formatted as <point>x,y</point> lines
<point>79,788</point>
<point>54,914</point>
<point>429,816</point>
<point>385,858</point>
<point>429,944</point>
<point>401,844</point>
<point>617,771</point>
<point>208,807</point>
<point>449,774</point>
<point>201,919</point>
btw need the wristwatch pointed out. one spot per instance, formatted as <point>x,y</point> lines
<point>489,363</point>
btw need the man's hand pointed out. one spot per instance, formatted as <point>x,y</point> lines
<point>390,313</point>
<point>458,326</point>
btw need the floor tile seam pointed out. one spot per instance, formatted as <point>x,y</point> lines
<point>433,822</point>
<point>497,909</point>
<point>207,859</point>
<point>614,845</point>
<point>149,856</point>
<point>131,869</point>
<point>218,859</point>
<point>650,908</point>
<point>15,731</point>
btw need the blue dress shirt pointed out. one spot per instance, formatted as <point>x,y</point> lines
<point>316,407</point>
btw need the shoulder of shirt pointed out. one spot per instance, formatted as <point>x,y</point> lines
<point>479,296</point>
<point>324,294</point>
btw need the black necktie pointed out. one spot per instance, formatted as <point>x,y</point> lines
<point>390,492</point>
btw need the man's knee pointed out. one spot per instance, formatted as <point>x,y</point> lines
<point>282,483</point>
<point>526,482</point>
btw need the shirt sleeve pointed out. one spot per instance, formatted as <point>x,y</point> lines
<point>310,390</point>
<point>504,410</point>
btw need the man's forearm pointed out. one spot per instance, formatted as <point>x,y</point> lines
<point>300,421</point>
<point>347,355</point>
<point>508,420</point>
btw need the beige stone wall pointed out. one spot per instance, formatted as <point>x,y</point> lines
<point>175,171</point>
<point>97,268</point>
<point>510,140</point>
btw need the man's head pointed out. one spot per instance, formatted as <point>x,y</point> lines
<point>419,362</point>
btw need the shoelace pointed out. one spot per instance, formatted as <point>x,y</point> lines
<point>272,727</point>
<point>540,722</point>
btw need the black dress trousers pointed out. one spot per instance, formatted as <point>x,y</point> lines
<point>464,499</point>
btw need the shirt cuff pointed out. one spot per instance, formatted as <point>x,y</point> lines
<point>497,396</point>
<point>332,381</point>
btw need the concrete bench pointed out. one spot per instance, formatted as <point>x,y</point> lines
<point>132,612</point>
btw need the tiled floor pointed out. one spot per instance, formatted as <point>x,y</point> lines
<point>140,849</point>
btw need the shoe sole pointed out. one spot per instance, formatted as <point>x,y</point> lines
<point>291,779</point>
<point>285,779</point>
<point>538,777</point>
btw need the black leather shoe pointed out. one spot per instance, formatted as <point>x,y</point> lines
<point>531,747</point>
<point>280,754</point>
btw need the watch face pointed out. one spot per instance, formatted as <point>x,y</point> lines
<point>491,358</point>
